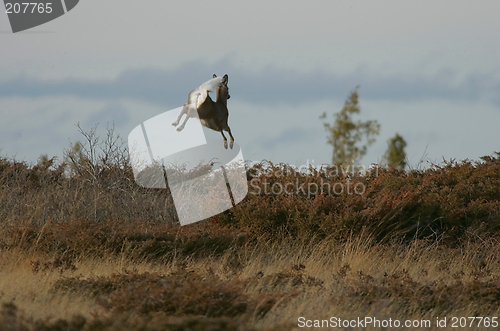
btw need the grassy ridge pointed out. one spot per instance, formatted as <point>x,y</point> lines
<point>82,247</point>
<point>444,203</point>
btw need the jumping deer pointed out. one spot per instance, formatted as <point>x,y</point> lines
<point>197,96</point>
<point>213,115</point>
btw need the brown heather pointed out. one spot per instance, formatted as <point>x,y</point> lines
<point>82,247</point>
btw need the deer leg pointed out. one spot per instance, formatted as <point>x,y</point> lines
<point>225,139</point>
<point>183,111</point>
<point>231,136</point>
<point>189,112</point>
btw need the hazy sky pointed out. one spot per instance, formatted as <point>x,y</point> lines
<point>428,70</point>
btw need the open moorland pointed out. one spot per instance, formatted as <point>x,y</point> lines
<point>83,247</point>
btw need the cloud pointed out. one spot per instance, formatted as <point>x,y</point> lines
<point>270,85</point>
<point>290,136</point>
<point>112,114</point>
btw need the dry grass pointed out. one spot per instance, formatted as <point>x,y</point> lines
<point>84,248</point>
<point>261,286</point>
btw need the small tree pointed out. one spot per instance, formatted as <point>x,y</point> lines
<point>395,155</point>
<point>76,159</point>
<point>346,135</point>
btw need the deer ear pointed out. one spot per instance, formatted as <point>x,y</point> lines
<point>214,76</point>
